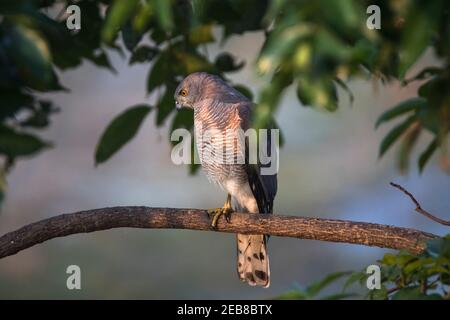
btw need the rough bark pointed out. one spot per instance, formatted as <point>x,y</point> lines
<point>368,234</point>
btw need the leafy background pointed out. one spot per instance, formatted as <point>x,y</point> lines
<point>125,63</point>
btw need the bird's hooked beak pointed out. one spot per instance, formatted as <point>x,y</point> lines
<point>181,103</point>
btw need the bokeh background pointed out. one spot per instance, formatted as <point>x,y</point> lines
<point>329,168</point>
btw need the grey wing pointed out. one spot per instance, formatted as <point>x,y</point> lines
<point>263,186</point>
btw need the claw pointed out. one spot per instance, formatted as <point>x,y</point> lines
<point>217,212</point>
<point>228,215</point>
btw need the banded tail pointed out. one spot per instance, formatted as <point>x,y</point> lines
<point>253,260</point>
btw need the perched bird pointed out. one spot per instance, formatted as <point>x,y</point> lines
<point>219,108</point>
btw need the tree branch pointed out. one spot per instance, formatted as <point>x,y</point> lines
<point>363,233</point>
<point>419,207</point>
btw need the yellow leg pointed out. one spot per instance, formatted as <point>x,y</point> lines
<point>217,212</point>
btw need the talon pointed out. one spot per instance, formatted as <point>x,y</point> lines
<point>216,218</point>
<point>228,216</point>
<point>213,211</point>
<point>217,212</point>
<point>214,215</point>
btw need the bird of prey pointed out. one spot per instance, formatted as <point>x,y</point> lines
<point>219,107</point>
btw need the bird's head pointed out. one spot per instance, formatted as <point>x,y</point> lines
<point>189,91</point>
<point>201,85</point>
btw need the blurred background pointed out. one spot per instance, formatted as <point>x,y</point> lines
<point>328,169</point>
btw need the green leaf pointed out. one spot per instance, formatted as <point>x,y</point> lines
<point>433,118</point>
<point>426,155</point>
<point>403,258</point>
<point>378,294</point>
<point>40,116</point>
<point>281,44</point>
<point>417,33</point>
<point>426,89</point>
<point>388,259</point>
<point>391,273</point>
<point>315,288</point>
<point>14,144</point>
<point>400,109</point>
<point>31,55</point>
<point>415,265</point>
<point>143,16</point>
<point>407,146</point>
<point>354,277</point>
<point>201,34</point>
<point>225,62</point>
<point>275,7</point>
<point>445,278</point>
<point>329,45</point>
<point>269,98</point>
<point>130,37</point>
<point>101,59</point>
<point>249,15</point>
<point>15,7</point>
<point>413,293</point>
<point>160,72</point>
<point>339,296</point>
<point>193,168</point>
<point>439,247</point>
<point>143,53</point>
<point>120,131</point>
<point>184,118</point>
<point>312,290</point>
<point>292,295</point>
<point>117,15</point>
<point>56,35</point>
<point>424,73</point>
<point>164,14</point>
<point>394,134</point>
<point>344,15</point>
<point>365,52</point>
<point>11,101</point>
<point>345,87</point>
<point>317,93</point>
<point>165,105</point>
<point>189,62</point>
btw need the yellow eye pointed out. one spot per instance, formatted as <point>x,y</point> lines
<point>183,93</point>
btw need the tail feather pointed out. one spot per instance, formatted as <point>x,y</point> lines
<point>253,260</point>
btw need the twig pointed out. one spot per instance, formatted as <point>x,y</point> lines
<point>363,233</point>
<point>419,207</point>
<point>392,290</point>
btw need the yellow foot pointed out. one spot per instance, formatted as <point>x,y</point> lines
<point>217,212</point>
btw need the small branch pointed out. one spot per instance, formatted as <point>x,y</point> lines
<point>419,207</point>
<point>392,290</point>
<point>368,234</point>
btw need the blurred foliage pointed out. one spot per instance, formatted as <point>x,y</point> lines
<point>312,291</point>
<point>404,276</point>
<point>408,276</point>
<point>320,45</point>
<point>315,46</point>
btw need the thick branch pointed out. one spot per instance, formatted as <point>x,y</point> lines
<point>368,234</point>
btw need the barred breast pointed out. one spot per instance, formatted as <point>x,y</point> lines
<point>221,154</point>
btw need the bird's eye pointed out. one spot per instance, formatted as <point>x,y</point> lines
<point>183,93</point>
